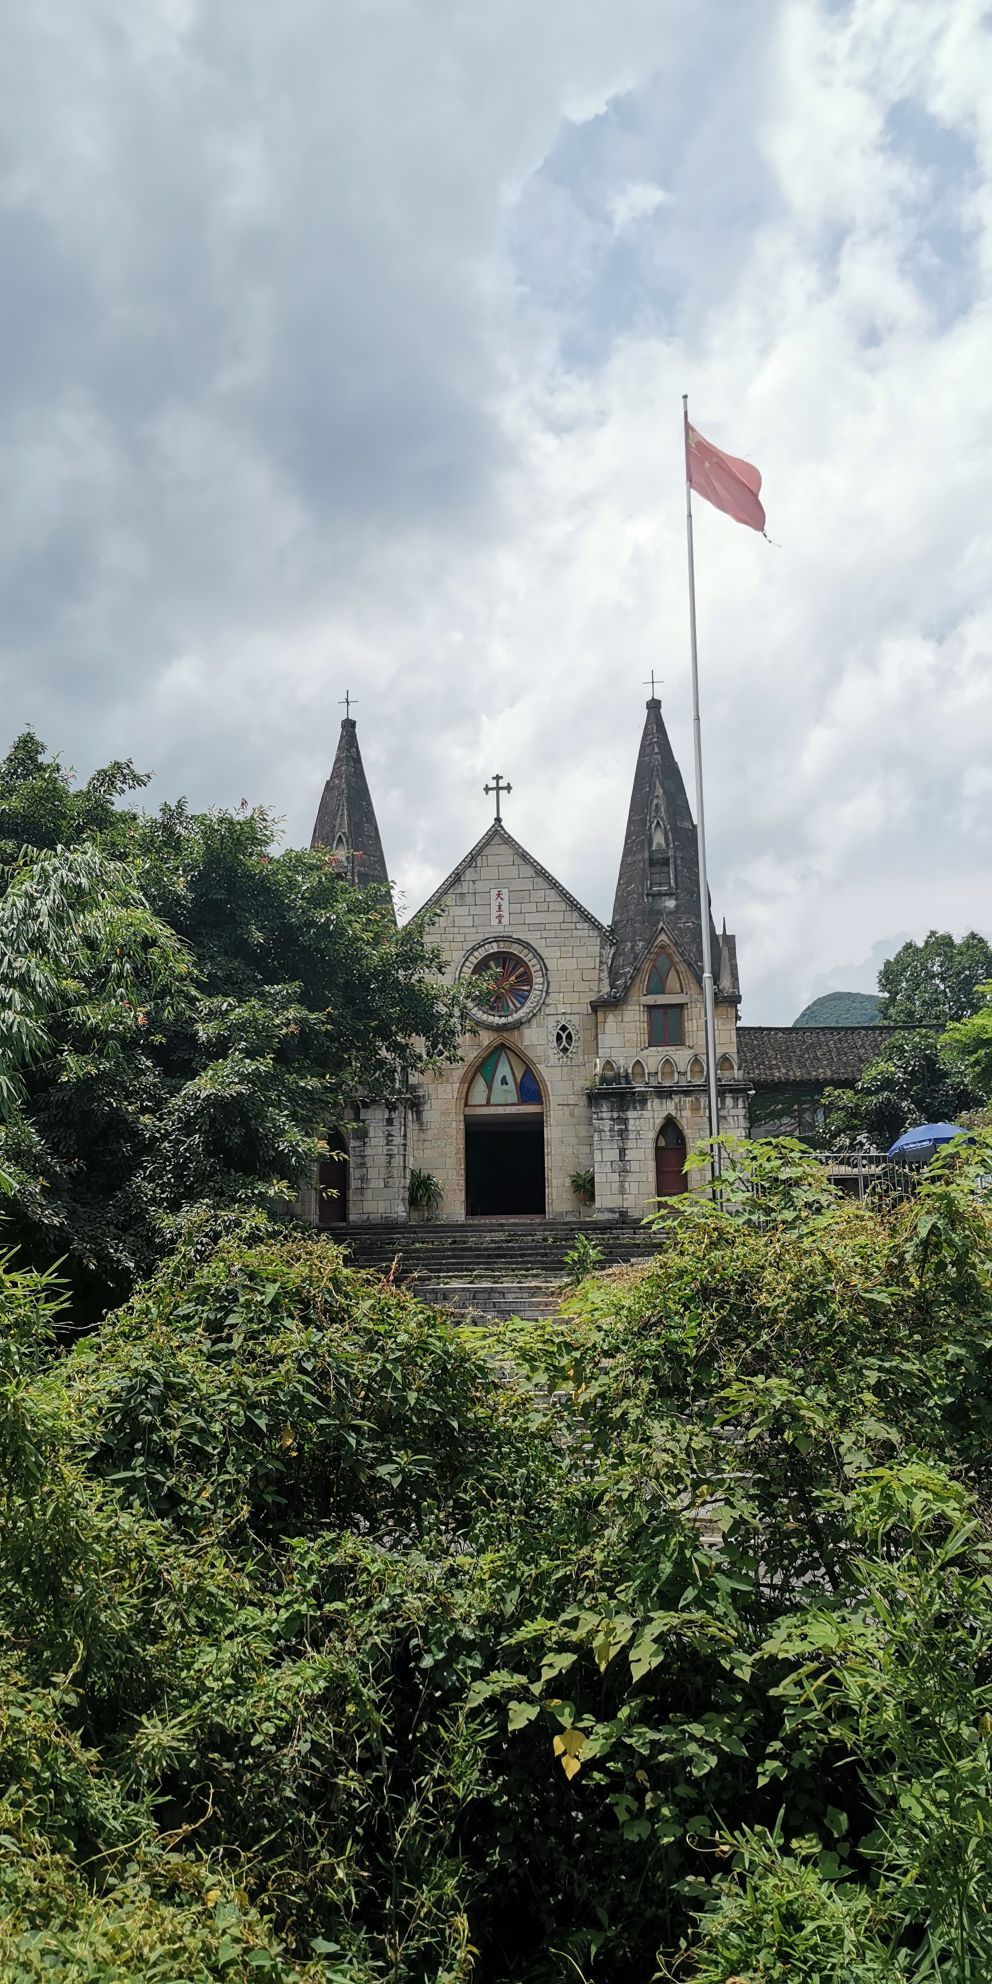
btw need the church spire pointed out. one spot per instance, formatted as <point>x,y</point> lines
<point>346,822</point>
<point>658,881</point>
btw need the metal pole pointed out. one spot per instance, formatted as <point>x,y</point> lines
<point>709,1003</point>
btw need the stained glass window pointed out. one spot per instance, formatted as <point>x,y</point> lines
<point>663,976</point>
<point>503,1081</point>
<point>509,985</point>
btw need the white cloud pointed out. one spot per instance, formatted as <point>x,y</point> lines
<point>636,200</point>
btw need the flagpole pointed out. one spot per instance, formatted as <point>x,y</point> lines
<point>709,1004</point>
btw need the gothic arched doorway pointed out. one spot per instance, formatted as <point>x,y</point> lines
<point>504,1139</point>
<point>669,1161</point>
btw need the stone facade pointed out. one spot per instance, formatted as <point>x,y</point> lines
<point>571,1042</point>
<point>566,949</point>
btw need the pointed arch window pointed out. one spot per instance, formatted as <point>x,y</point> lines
<point>503,1081</point>
<point>663,979</point>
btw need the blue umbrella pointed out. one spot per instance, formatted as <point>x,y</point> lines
<point>924,1140</point>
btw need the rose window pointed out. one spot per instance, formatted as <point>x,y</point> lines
<point>508,984</point>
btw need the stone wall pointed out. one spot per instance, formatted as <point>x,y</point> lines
<point>379,1165</point>
<point>627,1118</point>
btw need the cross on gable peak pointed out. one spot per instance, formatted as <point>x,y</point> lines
<point>499,786</point>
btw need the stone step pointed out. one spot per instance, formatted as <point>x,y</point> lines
<point>475,1249</point>
<point>493,1301</point>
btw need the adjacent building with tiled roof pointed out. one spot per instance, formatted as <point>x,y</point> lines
<point>787,1069</point>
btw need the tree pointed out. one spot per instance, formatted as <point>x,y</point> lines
<point>184,1015</point>
<point>967,1046</point>
<point>934,982</point>
<point>912,1080</point>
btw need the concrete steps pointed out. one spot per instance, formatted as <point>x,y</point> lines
<point>481,1301</point>
<point>491,1268</point>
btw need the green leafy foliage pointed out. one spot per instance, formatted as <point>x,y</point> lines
<point>340,1641</point>
<point>582,1258</point>
<point>967,1046</point>
<point>936,981</point>
<point>915,1078</point>
<point>911,1082</point>
<point>425,1191</point>
<point>183,1014</point>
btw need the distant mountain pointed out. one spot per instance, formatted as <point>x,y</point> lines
<point>841,1009</point>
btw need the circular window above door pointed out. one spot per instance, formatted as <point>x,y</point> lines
<point>507,983</point>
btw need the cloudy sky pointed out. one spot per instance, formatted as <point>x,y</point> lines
<point>342,348</point>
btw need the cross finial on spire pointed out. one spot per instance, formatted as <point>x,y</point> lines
<point>347,700</point>
<point>498,786</point>
<point>653,690</point>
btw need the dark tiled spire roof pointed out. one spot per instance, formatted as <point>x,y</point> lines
<point>346,816</point>
<point>658,884</point>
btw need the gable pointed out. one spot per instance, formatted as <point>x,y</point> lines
<point>498,861</point>
<point>634,986</point>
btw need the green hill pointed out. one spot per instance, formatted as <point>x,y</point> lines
<point>841,1009</point>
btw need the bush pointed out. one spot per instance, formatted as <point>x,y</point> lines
<point>339,1640</point>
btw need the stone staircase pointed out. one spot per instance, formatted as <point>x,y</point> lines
<point>490,1268</point>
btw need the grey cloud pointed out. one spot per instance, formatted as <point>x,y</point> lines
<point>326,364</point>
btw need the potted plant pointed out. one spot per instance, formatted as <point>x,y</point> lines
<point>583,1184</point>
<point>425,1194</point>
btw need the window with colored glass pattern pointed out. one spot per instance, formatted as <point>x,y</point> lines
<point>663,976</point>
<point>509,983</point>
<point>503,1081</point>
<point>665,1026</point>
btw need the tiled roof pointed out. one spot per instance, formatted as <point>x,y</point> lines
<point>776,1055</point>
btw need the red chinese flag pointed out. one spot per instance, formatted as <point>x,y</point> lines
<point>730,485</point>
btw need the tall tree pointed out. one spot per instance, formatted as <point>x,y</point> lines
<point>934,982</point>
<point>185,1014</point>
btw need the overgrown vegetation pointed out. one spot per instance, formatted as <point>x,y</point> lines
<point>343,1643</point>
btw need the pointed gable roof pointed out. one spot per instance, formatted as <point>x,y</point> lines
<point>658,883</point>
<point>498,832</point>
<point>346,816</point>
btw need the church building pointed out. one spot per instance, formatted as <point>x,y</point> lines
<point>588,1049</point>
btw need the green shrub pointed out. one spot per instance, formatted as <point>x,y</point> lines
<point>338,1640</point>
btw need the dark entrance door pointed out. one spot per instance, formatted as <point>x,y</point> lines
<point>504,1166</point>
<point>669,1159</point>
<point>332,1187</point>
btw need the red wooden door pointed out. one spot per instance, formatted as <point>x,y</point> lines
<point>669,1158</point>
